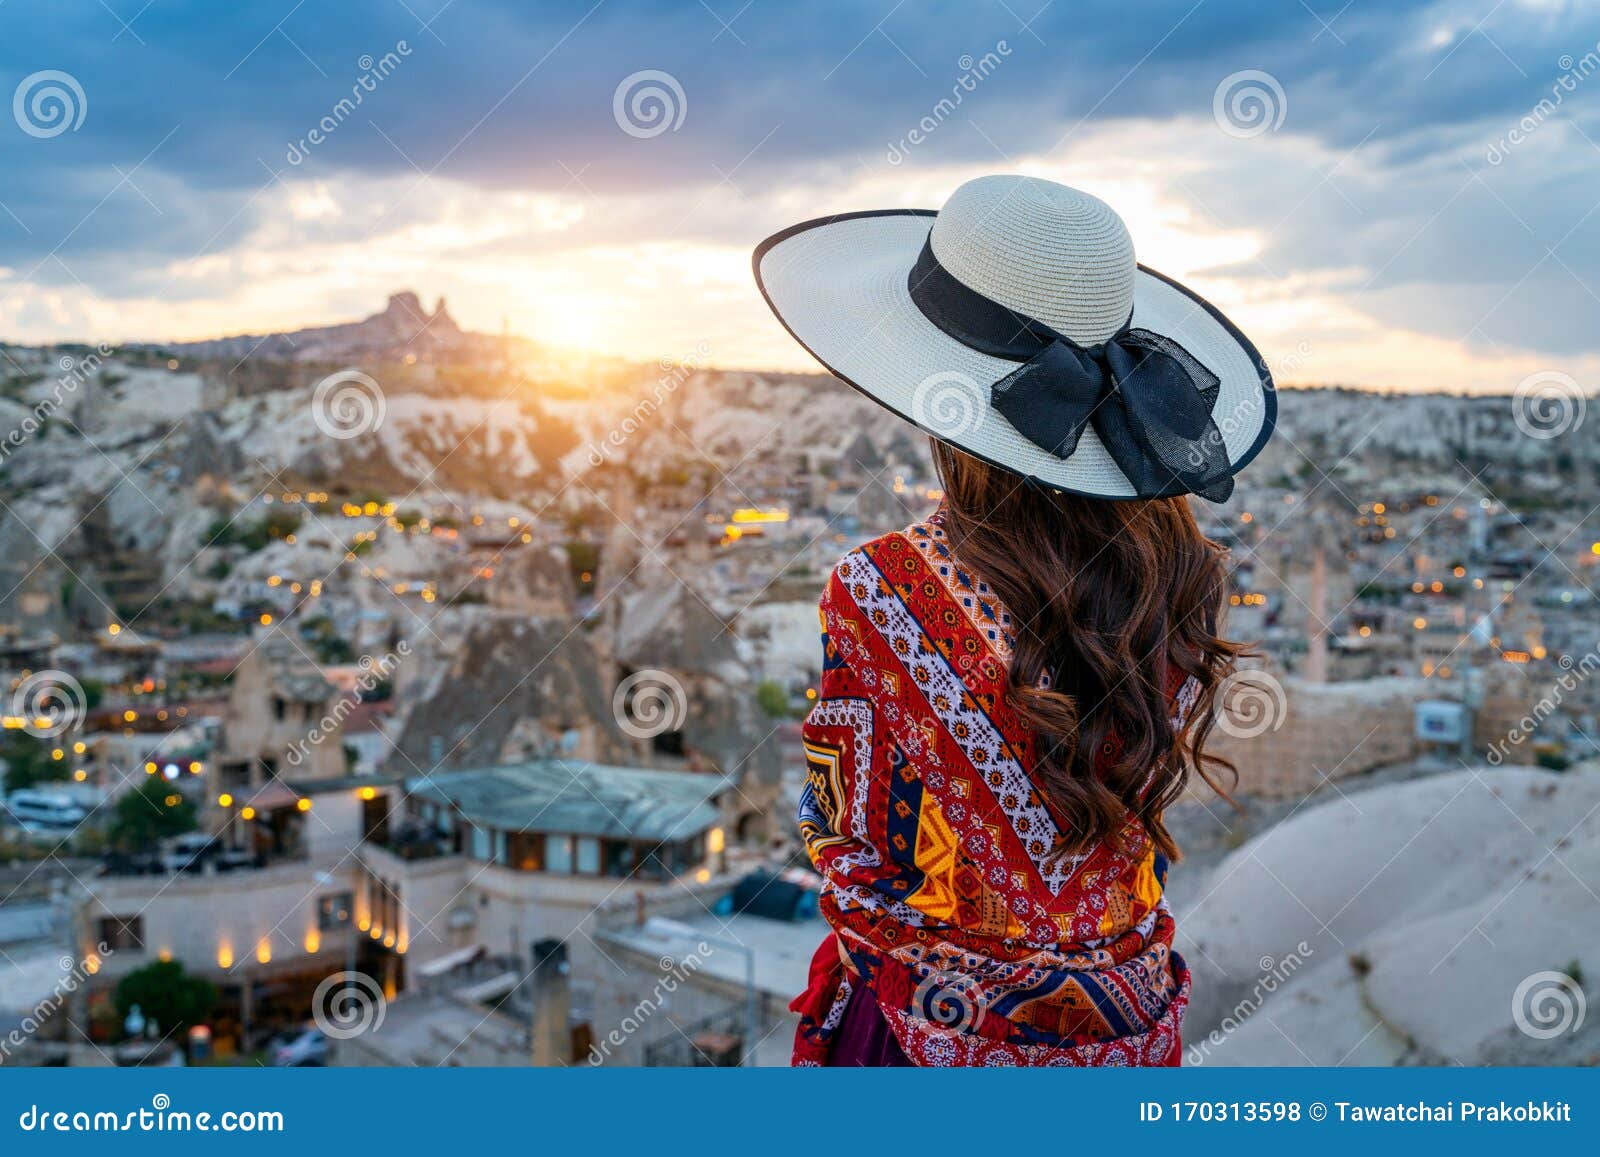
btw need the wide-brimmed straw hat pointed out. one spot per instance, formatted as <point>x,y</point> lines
<point>1016,325</point>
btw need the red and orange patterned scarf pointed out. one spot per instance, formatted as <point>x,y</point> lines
<point>980,947</point>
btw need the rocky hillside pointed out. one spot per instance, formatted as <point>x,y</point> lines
<point>144,456</point>
<point>1362,431</point>
<point>1311,944</point>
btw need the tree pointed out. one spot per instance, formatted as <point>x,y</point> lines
<point>774,700</point>
<point>253,535</point>
<point>167,996</point>
<point>149,814</point>
<point>583,558</point>
<point>28,762</point>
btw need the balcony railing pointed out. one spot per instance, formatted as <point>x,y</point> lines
<point>410,841</point>
<point>221,862</point>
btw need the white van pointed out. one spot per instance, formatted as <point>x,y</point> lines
<point>45,812</point>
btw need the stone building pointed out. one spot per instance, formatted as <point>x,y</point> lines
<point>1289,737</point>
<point>669,643</point>
<point>277,698</point>
<point>1292,737</point>
<point>282,723</point>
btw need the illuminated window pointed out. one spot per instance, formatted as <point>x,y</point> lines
<point>525,852</point>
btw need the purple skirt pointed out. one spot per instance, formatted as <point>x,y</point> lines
<point>863,1038</point>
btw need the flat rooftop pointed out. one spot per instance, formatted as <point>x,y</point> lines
<point>579,798</point>
<point>435,1029</point>
<point>783,948</point>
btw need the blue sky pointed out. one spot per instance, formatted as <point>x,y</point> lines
<point>1412,217</point>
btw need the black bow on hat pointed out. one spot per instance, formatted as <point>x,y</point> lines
<point>1146,396</point>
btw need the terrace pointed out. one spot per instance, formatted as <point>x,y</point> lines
<point>568,818</point>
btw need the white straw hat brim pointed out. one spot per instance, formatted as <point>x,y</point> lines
<point>839,285</point>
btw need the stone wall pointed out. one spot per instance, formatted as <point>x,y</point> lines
<point>1303,735</point>
<point>1289,738</point>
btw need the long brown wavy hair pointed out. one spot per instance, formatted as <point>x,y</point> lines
<point>1108,599</point>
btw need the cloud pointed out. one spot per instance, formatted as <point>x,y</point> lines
<point>485,162</point>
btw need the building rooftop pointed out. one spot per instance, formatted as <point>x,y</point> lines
<point>590,799</point>
<point>437,1030</point>
<point>294,674</point>
<point>782,949</point>
<point>342,783</point>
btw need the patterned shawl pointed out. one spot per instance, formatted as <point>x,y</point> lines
<point>980,946</point>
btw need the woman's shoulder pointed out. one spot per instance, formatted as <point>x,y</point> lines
<point>921,550</point>
<point>866,562</point>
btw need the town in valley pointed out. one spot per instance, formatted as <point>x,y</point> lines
<point>391,694</point>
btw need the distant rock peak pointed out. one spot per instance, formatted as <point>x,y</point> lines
<point>405,303</point>
<point>403,328</point>
<point>405,311</point>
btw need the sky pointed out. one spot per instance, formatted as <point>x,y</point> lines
<point>1396,195</point>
